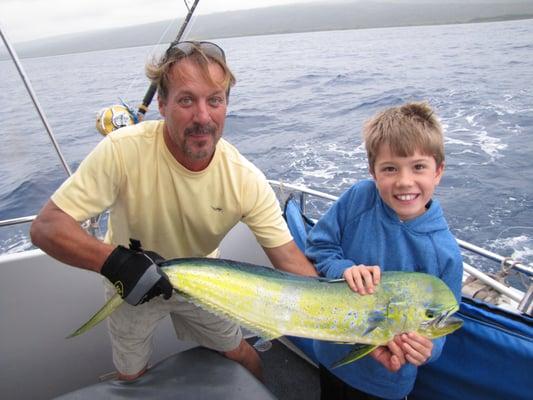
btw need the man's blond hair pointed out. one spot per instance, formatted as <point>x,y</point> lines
<point>405,129</point>
<point>159,70</point>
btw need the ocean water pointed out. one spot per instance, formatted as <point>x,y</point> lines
<point>297,112</point>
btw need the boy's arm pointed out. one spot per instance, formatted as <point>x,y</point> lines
<point>438,345</point>
<point>452,275</point>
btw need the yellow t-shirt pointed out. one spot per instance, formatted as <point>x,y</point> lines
<point>173,211</point>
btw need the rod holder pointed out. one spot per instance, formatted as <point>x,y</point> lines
<point>526,304</point>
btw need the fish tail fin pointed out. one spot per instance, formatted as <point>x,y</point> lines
<point>100,315</point>
<point>358,351</point>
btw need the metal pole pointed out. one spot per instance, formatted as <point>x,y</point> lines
<point>15,221</point>
<point>492,282</point>
<point>33,97</point>
<point>93,227</point>
<point>496,257</point>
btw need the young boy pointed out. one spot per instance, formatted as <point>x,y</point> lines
<point>388,223</point>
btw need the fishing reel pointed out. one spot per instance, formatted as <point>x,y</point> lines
<point>114,117</point>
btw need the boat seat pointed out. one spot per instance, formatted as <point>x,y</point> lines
<point>198,373</point>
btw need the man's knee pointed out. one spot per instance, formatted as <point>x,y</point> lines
<point>127,377</point>
<point>242,352</point>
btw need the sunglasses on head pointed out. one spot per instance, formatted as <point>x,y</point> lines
<point>208,48</point>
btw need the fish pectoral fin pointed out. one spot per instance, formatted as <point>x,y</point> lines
<point>358,351</point>
<point>374,320</point>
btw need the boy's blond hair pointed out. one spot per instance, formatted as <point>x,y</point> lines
<point>405,129</point>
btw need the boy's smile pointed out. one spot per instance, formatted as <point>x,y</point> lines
<point>406,184</point>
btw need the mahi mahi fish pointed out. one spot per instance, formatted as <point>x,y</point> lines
<point>272,303</point>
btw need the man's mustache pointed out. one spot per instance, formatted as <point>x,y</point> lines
<point>198,129</point>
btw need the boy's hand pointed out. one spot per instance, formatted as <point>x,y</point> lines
<point>390,356</point>
<point>362,278</point>
<point>417,348</point>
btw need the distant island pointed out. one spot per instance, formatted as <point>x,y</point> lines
<point>316,16</point>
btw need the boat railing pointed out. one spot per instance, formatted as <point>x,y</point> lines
<point>17,221</point>
<point>508,264</point>
<point>305,196</point>
<point>91,225</point>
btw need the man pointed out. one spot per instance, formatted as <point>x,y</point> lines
<point>176,187</point>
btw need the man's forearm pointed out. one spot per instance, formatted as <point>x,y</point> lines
<point>289,258</point>
<point>61,237</point>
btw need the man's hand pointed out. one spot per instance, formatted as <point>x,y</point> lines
<point>362,279</point>
<point>136,275</point>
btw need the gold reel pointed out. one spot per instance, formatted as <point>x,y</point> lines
<point>112,118</point>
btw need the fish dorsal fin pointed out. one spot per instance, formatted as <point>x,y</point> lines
<point>358,351</point>
<point>329,280</point>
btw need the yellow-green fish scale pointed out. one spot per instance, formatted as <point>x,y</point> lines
<point>275,303</point>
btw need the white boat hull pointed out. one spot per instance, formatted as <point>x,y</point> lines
<point>43,300</point>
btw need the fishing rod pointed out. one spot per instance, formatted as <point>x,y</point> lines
<point>111,118</point>
<point>153,87</point>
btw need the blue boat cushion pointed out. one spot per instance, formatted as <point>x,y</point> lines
<point>490,357</point>
<point>299,224</point>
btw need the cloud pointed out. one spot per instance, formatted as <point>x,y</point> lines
<point>29,19</point>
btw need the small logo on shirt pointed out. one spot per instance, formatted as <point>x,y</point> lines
<point>218,209</point>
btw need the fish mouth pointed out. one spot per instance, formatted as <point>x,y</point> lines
<point>448,320</point>
<point>440,321</point>
<point>444,320</point>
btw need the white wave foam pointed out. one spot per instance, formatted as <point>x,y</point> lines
<point>490,145</point>
<point>15,244</point>
<point>521,245</point>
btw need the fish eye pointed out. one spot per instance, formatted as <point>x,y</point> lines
<point>430,313</point>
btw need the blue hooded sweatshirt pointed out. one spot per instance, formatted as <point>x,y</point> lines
<point>361,229</point>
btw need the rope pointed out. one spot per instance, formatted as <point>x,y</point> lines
<point>506,268</point>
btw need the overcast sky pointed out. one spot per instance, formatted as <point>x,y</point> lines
<point>31,19</point>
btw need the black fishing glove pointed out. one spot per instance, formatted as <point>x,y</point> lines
<point>136,274</point>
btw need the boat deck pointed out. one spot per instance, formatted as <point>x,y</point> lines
<point>199,373</point>
<point>288,376</point>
